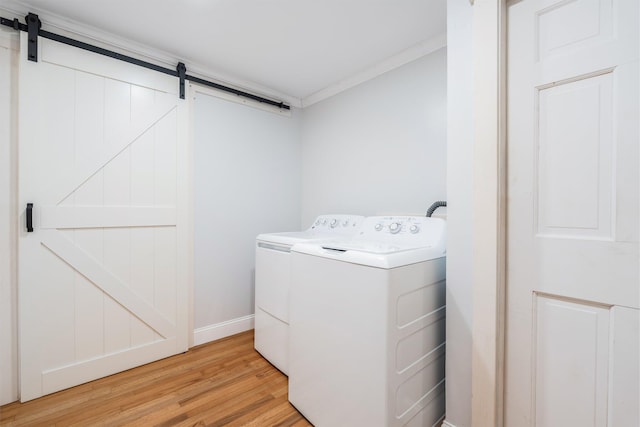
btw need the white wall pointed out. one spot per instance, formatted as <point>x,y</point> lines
<point>379,147</point>
<point>8,290</point>
<point>459,213</point>
<point>247,181</point>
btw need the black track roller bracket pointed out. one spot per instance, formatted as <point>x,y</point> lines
<point>182,74</point>
<point>33,28</point>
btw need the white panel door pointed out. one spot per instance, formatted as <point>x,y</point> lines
<point>103,276</point>
<point>573,286</point>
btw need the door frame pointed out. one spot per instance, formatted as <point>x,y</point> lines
<point>489,211</point>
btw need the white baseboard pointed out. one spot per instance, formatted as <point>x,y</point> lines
<point>221,330</point>
<point>445,423</point>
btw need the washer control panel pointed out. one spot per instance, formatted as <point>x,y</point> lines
<point>394,225</point>
<point>403,230</point>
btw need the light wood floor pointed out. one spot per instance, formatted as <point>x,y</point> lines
<point>224,383</point>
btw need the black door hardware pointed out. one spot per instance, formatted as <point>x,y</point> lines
<point>29,217</point>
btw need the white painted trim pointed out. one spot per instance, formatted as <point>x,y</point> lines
<point>99,367</point>
<point>222,330</point>
<point>186,214</point>
<point>196,88</point>
<point>445,423</point>
<point>9,382</point>
<point>489,164</point>
<point>9,39</point>
<point>244,85</point>
<point>106,216</point>
<point>89,34</point>
<point>411,54</point>
<point>190,211</point>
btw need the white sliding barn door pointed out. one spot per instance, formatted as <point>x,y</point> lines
<point>103,281</point>
<point>573,286</point>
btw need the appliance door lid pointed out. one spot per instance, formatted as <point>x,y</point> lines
<point>288,238</point>
<point>385,260</point>
<point>274,246</point>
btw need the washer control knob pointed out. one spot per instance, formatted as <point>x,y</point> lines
<point>378,226</point>
<point>324,221</point>
<point>317,222</point>
<point>334,223</point>
<point>345,222</point>
<point>395,227</point>
<point>414,229</point>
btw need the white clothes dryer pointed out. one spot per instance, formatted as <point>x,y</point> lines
<point>367,326</point>
<point>273,280</point>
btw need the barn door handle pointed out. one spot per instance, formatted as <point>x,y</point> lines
<point>29,217</point>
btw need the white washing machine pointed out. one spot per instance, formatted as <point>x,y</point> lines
<point>367,326</point>
<point>273,280</point>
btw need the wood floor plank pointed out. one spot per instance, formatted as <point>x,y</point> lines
<point>224,383</point>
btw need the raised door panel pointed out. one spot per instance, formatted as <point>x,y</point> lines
<point>571,362</point>
<point>575,167</point>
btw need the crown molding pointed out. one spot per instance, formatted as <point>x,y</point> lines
<point>408,55</point>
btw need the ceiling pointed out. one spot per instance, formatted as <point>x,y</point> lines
<point>292,47</point>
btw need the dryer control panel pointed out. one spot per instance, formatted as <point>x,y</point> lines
<point>337,224</point>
